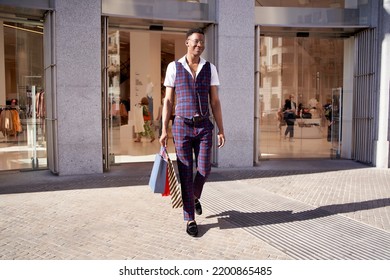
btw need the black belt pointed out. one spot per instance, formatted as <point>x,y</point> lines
<point>195,120</point>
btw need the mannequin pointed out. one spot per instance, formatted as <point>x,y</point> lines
<point>313,103</point>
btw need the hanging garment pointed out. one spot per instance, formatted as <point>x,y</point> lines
<point>10,121</point>
<point>17,126</point>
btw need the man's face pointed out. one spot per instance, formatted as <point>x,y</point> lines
<point>195,44</point>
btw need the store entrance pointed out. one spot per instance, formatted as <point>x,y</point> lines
<point>137,60</point>
<point>304,74</point>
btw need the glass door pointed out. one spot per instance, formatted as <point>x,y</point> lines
<point>297,75</point>
<point>23,103</point>
<point>136,61</point>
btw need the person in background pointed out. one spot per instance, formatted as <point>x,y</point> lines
<point>14,103</point>
<point>289,113</point>
<point>195,83</point>
<point>148,131</point>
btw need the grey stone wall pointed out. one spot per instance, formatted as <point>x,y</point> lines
<point>236,70</point>
<point>78,52</point>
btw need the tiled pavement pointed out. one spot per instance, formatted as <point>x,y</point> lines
<point>313,209</point>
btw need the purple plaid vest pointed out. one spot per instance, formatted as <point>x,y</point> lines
<point>187,91</point>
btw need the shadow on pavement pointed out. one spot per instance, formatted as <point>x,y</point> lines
<point>236,219</point>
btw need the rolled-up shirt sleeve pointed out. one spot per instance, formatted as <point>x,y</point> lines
<point>170,75</point>
<point>214,76</point>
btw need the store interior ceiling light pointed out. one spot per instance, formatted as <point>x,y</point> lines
<point>23,29</point>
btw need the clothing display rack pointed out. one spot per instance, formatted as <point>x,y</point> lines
<point>10,124</point>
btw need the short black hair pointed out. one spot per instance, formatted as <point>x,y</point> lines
<point>194,30</point>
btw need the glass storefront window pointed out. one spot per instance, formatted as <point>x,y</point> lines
<point>22,101</point>
<point>308,71</point>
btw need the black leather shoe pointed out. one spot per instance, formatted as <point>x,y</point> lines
<point>198,207</point>
<point>192,228</point>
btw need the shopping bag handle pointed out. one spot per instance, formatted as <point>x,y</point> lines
<point>164,153</point>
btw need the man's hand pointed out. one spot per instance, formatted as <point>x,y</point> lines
<point>164,139</point>
<point>221,140</point>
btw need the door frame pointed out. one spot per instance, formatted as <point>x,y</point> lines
<point>211,31</point>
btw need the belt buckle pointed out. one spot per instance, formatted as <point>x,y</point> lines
<point>197,119</point>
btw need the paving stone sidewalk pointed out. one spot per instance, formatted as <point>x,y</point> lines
<point>115,216</point>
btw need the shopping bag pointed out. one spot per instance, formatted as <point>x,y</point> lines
<point>174,186</point>
<point>158,176</point>
<point>166,191</point>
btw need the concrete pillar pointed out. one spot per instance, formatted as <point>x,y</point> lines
<point>78,52</point>
<point>235,57</point>
<point>382,145</point>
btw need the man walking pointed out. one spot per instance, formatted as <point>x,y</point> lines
<point>195,82</point>
<point>289,111</point>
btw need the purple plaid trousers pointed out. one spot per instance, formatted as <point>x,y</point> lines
<point>189,141</point>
